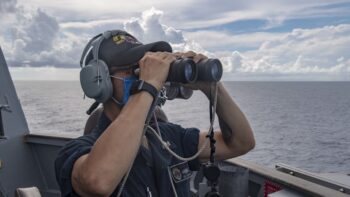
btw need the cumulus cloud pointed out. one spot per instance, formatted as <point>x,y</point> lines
<point>220,40</point>
<point>208,13</point>
<point>189,14</point>
<point>92,24</point>
<point>38,39</point>
<point>148,28</point>
<point>35,34</point>
<point>319,50</point>
<point>7,6</point>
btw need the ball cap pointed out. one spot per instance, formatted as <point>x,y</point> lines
<point>119,48</point>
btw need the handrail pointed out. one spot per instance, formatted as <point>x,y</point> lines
<point>286,180</point>
<point>313,178</point>
<point>55,139</point>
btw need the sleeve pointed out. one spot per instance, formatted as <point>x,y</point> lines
<point>190,140</point>
<point>66,158</point>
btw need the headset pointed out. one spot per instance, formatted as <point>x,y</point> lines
<point>94,77</point>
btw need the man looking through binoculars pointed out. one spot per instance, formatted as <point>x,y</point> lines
<point>95,164</point>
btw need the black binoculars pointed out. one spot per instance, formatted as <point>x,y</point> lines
<point>185,70</point>
<point>174,91</point>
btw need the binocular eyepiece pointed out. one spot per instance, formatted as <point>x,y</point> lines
<point>187,71</point>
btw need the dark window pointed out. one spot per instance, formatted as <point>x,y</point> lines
<point>3,108</point>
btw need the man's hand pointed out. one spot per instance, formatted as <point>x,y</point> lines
<point>154,67</point>
<point>199,85</point>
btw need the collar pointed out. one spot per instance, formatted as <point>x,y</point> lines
<point>103,123</point>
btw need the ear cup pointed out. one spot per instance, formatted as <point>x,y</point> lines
<point>96,82</point>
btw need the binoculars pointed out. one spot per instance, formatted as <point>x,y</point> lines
<point>174,91</point>
<point>185,70</point>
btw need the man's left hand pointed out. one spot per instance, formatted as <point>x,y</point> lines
<point>196,57</point>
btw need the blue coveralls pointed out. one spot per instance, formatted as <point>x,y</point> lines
<point>149,175</point>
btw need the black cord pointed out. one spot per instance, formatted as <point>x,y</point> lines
<point>211,170</point>
<point>211,133</point>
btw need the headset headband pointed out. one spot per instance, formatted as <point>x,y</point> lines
<point>94,45</point>
<point>87,50</point>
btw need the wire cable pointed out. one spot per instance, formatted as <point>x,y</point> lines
<point>148,118</point>
<point>211,130</point>
<point>166,144</point>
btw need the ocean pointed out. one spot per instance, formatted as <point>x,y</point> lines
<point>302,124</point>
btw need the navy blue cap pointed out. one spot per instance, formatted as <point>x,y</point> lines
<point>119,48</point>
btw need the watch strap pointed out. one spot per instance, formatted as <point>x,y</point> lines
<point>141,85</point>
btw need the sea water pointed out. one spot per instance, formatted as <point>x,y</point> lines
<point>303,124</point>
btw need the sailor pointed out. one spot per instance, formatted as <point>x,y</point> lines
<point>98,164</point>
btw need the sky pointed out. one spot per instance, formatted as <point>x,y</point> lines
<point>276,40</point>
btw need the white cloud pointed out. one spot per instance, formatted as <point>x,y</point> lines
<point>220,40</point>
<point>319,51</point>
<point>7,6</point>
<point>188,14</point>
<point>37,33</point>
<point>214,13</point>
<point>148,28</point>
<point>91,24</point>
<point>38,39</point>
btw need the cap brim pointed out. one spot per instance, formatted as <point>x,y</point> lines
<point>133,55</point>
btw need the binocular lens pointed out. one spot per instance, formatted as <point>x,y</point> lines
<point>171,92</point>
<point>209,70</point>
<point>182,71</point>
<point>184,93</point>
<point>177,91</point>
<point>187,71</point>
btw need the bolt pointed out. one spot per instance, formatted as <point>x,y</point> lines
<point>291,173</point>
<point>341,190</point>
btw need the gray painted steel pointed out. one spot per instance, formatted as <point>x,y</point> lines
<point>22,164</point>
<point>324,180</point>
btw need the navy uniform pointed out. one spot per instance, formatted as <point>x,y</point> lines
<point>153,168</point>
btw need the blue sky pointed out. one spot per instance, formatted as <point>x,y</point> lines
<point>255,40</point>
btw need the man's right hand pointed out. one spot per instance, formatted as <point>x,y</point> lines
<point>154,67</point>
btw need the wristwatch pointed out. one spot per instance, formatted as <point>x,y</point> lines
<point>141,85</point>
